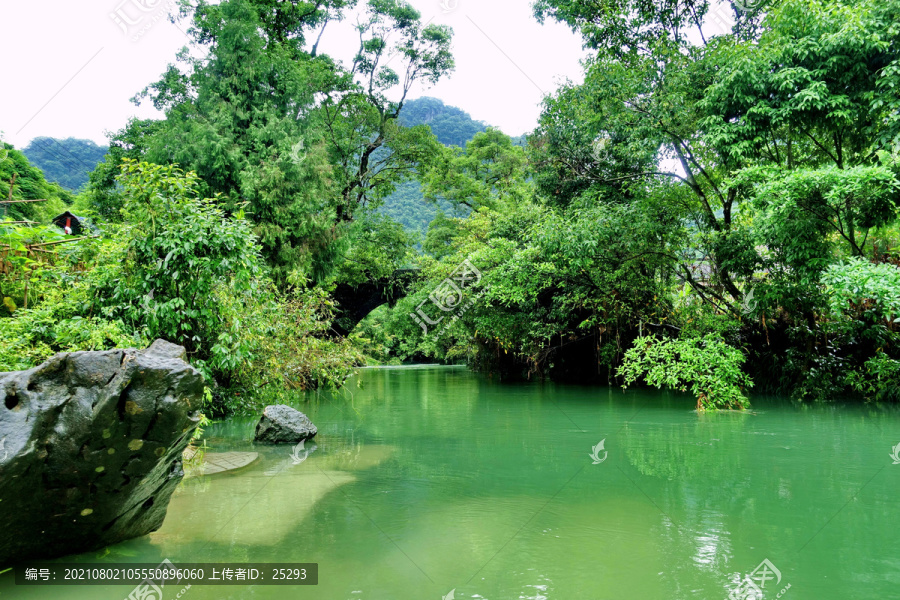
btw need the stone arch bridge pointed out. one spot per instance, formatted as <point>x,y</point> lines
<point>354,303</point>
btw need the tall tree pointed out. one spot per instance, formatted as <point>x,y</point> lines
<point>636,122</point>
<point>374,152</point>
<point>488,170</point>
<point>269,123</point>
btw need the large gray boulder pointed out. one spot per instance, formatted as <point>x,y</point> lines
<point>90,448</point>
<point>281,424</point>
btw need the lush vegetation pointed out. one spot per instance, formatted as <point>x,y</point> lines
<point>176,268</point>
<point>220,220</point>
<point>710,213</point>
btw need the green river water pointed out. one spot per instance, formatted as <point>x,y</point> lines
<point>435,482</point>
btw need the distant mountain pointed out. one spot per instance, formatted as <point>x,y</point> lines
<point>67,161</point>
<point>453,127</point>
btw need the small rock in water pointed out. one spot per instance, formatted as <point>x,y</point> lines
<point>281,424</point>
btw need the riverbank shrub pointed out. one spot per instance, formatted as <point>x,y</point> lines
<point>707,366</point>
<point>180,253</point>
<point>858,285</point>
<point>878,380</point>
<point>33,335</point>
<point>290,342</point>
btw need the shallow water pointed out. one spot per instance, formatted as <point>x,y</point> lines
<point>427,480</point>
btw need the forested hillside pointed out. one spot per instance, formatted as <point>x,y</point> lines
<point>22,182</point>
<point>452,127</point>
<point>68,161</point>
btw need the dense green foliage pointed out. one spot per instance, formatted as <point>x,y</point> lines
<point>709,366</point>
<point>68,162</point>
<point>182,253</point>
<point>47,298</point>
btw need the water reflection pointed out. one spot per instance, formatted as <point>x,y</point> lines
<point>422,481</point>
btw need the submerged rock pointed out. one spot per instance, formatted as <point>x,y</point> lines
<point>90,448</point>
<point>286,504</point>
<point>214,463</point>
<point>281,424</point>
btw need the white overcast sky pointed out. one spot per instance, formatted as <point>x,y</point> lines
<point>70,68</point>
